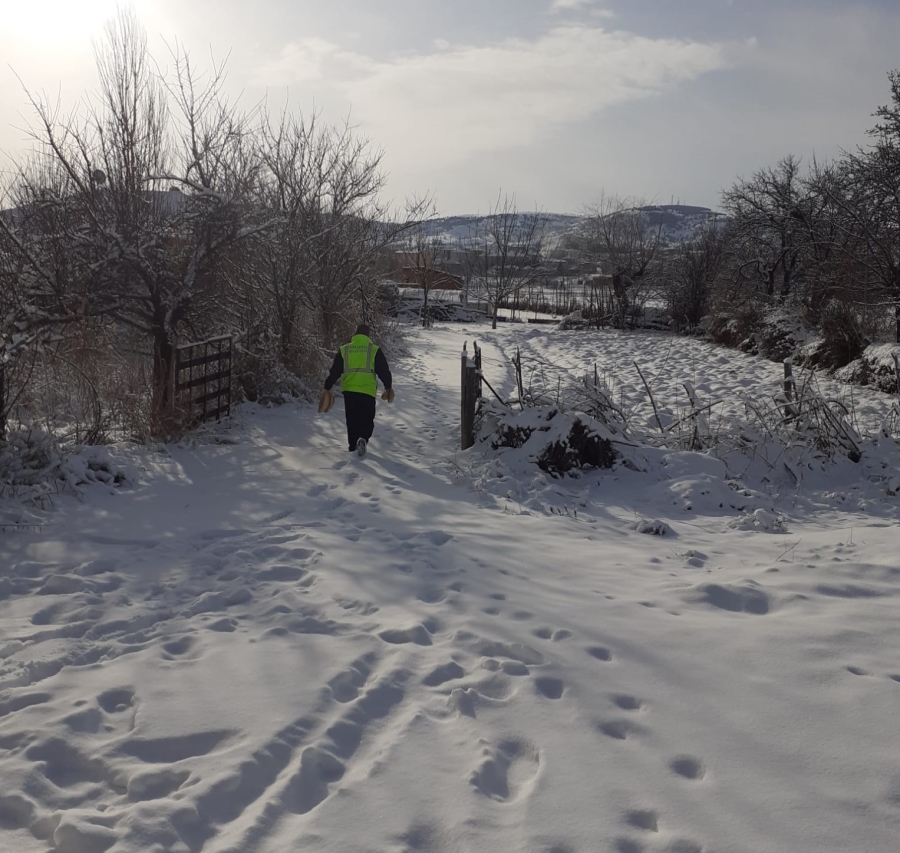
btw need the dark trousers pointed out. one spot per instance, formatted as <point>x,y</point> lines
<point>359,409</point>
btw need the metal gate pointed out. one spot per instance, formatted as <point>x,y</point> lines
<point>203,379</point>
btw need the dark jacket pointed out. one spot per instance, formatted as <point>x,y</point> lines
<point>382,371</point>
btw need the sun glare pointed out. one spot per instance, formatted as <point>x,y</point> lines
<point>46,23</point>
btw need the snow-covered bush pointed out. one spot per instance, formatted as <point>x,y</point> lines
<point>760,520</point>
<point>32,463</point>
<point>734,326</point>
<point>652,528</point>
<point>557,442</point>
<point>775,333</point>
<point>874,367</point>
<point>575,320</point>
<point>842,337</point>
<point>780,334</point>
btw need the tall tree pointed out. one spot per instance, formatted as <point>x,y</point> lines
<point>768,232</point>
<point>506,253</point>
<point>620,239</point>
<point>150,246</point>
<point>865,189</point>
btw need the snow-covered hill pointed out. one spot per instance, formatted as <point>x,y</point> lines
<point>676,223</point>
<point>265,644</point>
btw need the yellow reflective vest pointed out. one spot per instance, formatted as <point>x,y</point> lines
<point>359,366</point>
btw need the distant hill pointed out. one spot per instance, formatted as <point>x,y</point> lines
<point>679,222</point>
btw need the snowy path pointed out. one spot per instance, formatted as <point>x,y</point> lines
<point>273,646</point>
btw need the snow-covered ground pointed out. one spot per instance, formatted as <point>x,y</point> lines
<point>266,644</point>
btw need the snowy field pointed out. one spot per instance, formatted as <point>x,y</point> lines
<point>265,644</point>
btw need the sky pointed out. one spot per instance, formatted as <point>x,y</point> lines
<point>557,102</point>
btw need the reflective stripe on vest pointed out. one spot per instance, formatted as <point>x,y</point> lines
<point>359,366</point>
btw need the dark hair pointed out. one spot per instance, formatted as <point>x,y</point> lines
<point>363,329</point>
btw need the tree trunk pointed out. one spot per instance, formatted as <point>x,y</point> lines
<point>287,336</point>
<point>494,317</point>
<point>163,381</point>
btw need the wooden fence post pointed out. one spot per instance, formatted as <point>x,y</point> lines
<point>462,399</point>
<point>468,398</point>
<point>479,374</point>
<point>696,437</point>
<point>519,383</point>
<point>790,410</point>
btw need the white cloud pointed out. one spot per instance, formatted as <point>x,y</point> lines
<point>567,5</point>
<point>445,106</point>
<point>298,62</point>
<point>591,6</point>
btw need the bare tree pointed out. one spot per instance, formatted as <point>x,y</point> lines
<point>506,253</point>
<point>864,188</point>
<point>152,248</point>
<point>48,268</point>
<point>618,237</point>
<point>692,273</point>
<point>769,234</point>
<point>422,258</point>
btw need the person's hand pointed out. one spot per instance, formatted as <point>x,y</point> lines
<point>326,401</point>
<point>388,395</point>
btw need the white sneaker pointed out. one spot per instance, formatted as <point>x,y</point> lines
<point>361,447</point>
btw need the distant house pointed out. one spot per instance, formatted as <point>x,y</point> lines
<point>432,279</point>
<point>414,269</point>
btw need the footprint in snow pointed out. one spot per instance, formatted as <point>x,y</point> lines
<point>507,770</point>
<point>345,686</point>
<point>627,702</point>
<point>551,634</point>
<point>646,819</point>
<point>417,635</point>
<point>444,673</point>
<point>688,767</point>
<point>620,729</point>
<point>431,596</point>
<point>169,750</point>
<point>179,648</point>
<point>549,687</point>
<point>155,784</point>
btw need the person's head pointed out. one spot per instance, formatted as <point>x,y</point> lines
<point>363,329</point>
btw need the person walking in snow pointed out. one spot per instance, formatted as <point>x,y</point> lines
<point>357,364</point>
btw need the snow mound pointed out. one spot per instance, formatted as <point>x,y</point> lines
<point>698,482</point>
<point>652,528</point>
<point>874,367</point>
<point>762,520</point>
<point>557,442</point>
